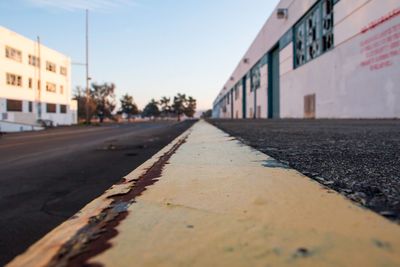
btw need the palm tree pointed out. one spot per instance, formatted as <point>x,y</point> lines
<point>190,108</point>
<point>165,106</point>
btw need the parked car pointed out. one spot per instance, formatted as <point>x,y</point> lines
<point>46,123</point>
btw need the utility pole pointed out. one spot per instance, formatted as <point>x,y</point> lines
<point>87,67</point>
<point>39,82</point>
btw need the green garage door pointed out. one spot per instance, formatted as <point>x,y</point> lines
<point>244,92</point>
<point>273,86</point>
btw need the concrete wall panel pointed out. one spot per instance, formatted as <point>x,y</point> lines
<point>352,16</point>
<point>262,93</point>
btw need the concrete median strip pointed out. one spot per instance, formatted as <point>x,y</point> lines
<point>208,200</point>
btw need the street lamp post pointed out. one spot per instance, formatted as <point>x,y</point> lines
<point>87,67</point>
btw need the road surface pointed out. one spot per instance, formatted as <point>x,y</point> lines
<point>46,177</point>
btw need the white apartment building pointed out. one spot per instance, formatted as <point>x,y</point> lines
<point>319,59</point>
<point>35,84</point>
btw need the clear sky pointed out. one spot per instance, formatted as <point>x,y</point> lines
<point>148,48</point>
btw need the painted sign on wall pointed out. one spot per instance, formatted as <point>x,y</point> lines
<point>380,48</point>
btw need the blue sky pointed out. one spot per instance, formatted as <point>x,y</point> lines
<point>148,48</point>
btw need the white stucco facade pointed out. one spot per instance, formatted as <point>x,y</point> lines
<point>35,83</point>
<point>357,77</point>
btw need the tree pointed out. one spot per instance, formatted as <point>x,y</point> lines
<point>207,114</point>
<point>104,97</point>
<point>178,105</point>
<point>165,106</point>
<point>184,106</point>
<point>190,107</point>
<point>151,109</point>
<point>80,96</point>
<point>128,106</point>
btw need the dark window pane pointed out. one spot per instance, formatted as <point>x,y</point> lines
<point>51,108</point>
<point>14,105</point>
<point>63,109</point>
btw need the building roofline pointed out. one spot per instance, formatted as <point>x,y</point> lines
<point>30,40</point>
<point>251,47</point>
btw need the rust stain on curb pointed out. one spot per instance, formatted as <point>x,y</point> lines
<point>93,239</point>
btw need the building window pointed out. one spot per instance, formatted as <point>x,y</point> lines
<point>50,87</point>
<point>327,25</point>
<point>63,109</point>
<point>63,71</point>
<point>300,46</point>
<point>30,106</point>
<point>51,108</point>
<point>255,77</point>
<point>39,85</point>
<point>13,79</point>
<point>314,33</point>
<point>61,89</point>
<point>14,105</point>
<point>228,99</point>
<point>13,54</point>
<point>34,61</point>
<point>30,83</point>
<point>51,66</point>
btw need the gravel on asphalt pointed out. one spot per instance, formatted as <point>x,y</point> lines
<point>358,158</point>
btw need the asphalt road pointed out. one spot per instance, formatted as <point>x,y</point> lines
<point>46,177</point>
<point>358,158</point>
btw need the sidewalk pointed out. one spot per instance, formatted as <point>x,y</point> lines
<point>208,200</point>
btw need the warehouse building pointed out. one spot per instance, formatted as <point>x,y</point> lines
<point>35,84</point>
<point>319,59</point>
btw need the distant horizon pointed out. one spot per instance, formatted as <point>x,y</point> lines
<point>190,48</point>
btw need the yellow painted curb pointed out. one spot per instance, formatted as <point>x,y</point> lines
<point>221,203</point>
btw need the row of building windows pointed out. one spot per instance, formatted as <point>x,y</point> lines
<point>13,79</point>
<point>312,36</point>
<point>16,80</point>
<point>16,106</point>
<point>16,55</point>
